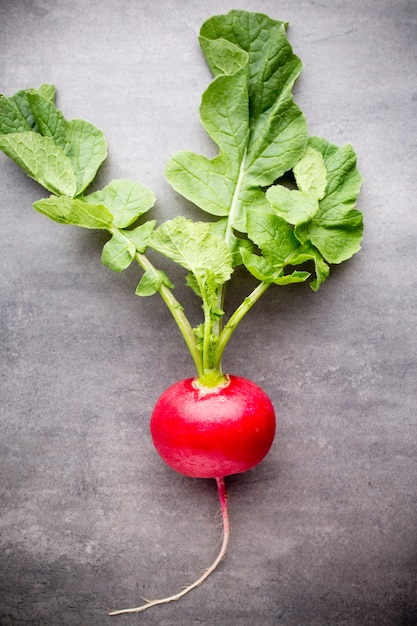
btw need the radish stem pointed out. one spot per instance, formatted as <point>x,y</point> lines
<point>226,534</point>
<point>177,313</point>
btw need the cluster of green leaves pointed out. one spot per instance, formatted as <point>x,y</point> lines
<point>64,157</point>
<point>274,229</point>
<point>249,111</point>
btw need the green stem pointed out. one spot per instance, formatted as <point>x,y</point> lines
<point>234,320</point>
<point>218,325</point>
<point>178,315</point>
<point>234,205</point>
<point>229,231</point>
<point>207,337</point>
<point>212,376</point>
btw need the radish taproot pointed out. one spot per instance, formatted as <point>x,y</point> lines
<point>282,205</point>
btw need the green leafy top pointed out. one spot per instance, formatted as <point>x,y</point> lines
<point>281,232</point>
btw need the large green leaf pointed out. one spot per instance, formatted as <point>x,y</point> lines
<point>81,141</point>
<point>248,110</point>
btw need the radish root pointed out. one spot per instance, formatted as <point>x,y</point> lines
<point>226,534</point>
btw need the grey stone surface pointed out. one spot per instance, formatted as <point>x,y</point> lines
<point>324,530</point>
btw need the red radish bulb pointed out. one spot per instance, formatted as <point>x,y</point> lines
<point>213,432</point>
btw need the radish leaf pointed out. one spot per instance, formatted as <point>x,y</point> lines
<point>66,210</point>
<point>151,282</point>
<point>294,206</point>
<point>311,173</point>
<point>126,199</point>
<point>276,240</point>
<point>120,250</point>
<point>284,202</point>
<point>280,250</point>
<point>248,110</point>
<point>15,112</point>
<point>42,160</point>
<point>88,151</point>
<point>343,179</point>
<point>337,227</point>
<point>139,236</point>
<point>219,228</point>
<point>193,246</point>
<point>82,142</point>
<point>336,232</point>
<point>118,253</point>
<point>61,156</point>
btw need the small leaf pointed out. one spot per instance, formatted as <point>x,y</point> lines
<point>82,143</point>
<point>264,270</point>
<point>222,56</point>
<point>311,174</point>
<point>47,91</point>
<point>152,281</point>
<point>280,250</point>
<point>337,233</point>
<point>294,206</point>
<point>126,199</point>
<point>273,235</point>
<point>74,211</point>
<point>118,253</point>
<point>306,253</point>
<point>260,267</point>
<point>140,235</point>
<point>343,179</point>
<point>42,160</point>
<point>15,114</point>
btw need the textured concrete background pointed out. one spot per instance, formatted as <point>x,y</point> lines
<point>324,530</point>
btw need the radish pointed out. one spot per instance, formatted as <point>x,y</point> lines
<point>212,433</point>
<point>282,206</point>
